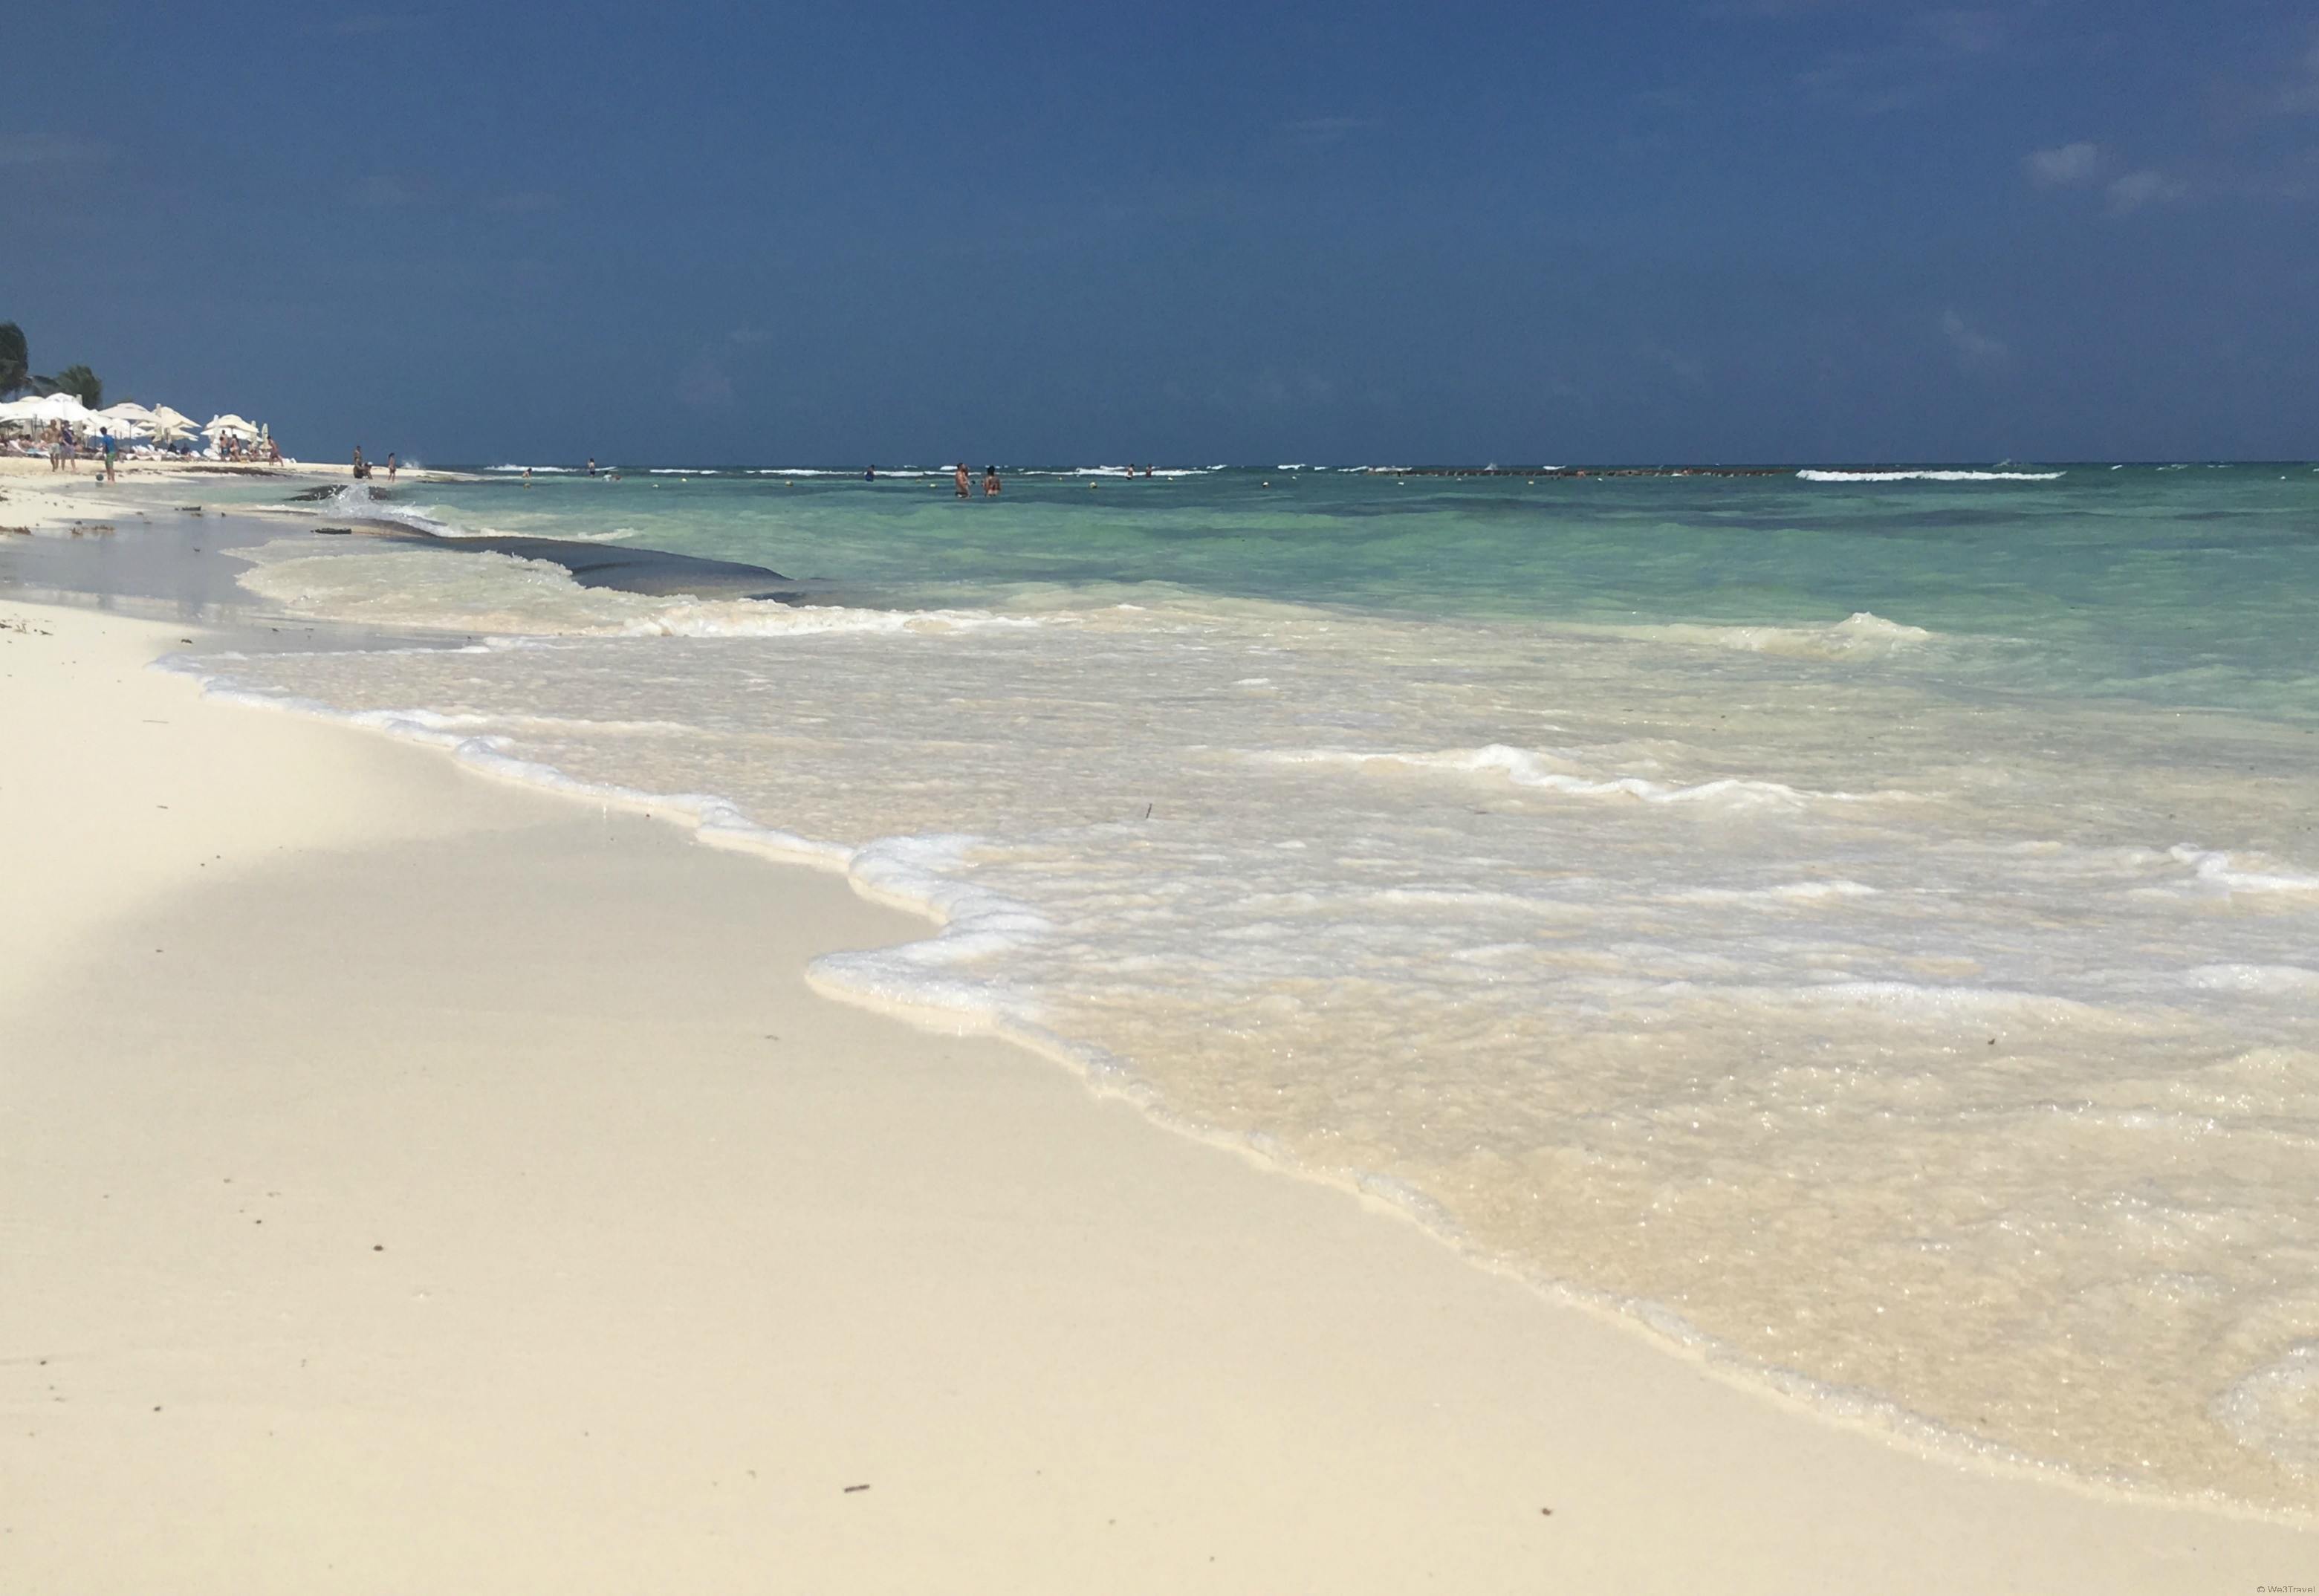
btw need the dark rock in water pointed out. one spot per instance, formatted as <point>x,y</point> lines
<point>334,531</point>
<point>652,571</point>
<point>313,495</point>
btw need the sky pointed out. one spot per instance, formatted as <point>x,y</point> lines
<point>699,233</point>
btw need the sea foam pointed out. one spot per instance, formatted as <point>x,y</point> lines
<point>1931,476</point>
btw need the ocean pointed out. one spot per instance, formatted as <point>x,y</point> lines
<point>1863,927</point>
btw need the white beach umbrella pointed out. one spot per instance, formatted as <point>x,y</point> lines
<point>126,414</point>
<point>221,425</point>
<point>170,425</point>
<point>63,407</point>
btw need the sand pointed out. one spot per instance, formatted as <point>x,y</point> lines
<point>411,1183</point>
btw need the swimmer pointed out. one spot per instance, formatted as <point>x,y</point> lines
<point>990,482</point>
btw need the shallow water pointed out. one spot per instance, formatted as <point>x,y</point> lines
<point>1867,929</point>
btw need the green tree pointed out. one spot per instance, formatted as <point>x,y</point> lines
<point>84,385</point>
<point>15,359</point>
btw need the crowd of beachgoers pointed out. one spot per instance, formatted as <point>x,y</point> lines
<point>64,431</point>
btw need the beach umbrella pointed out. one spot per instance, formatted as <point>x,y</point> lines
<point>177,420</point>
<point>63,407</point>
<point>126,414</point>
<point>230,423</point>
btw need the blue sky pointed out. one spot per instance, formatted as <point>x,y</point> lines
<point>1789,229</point>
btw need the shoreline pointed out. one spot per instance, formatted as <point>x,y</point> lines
<point>1787,1448</point>
<point>710,820</point>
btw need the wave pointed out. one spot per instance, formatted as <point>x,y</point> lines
<point>2223,871</point>
<point>1786,892</point>
<point>2273,979</point>
<point>1523,768</point>
<point>1860,636</point>
<point>496,594</point>
<point>357,502</point>
<point>1931,476</point>
<point>2271,1409</point>
<point>538,470</point>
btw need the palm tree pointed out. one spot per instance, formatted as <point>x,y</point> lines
<point>84,385</point>
<point>15,359</point>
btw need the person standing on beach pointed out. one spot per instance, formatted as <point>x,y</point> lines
<point>990,482</point>
<point>965,482</point>
<point>360,469</point>
<point>105,437</point>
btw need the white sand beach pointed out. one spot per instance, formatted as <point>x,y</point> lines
<point>409,1182</point>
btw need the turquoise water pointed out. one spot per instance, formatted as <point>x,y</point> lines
<point>2185,586</point>
<point>1866,930</point>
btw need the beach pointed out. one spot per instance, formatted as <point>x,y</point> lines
<point>419,1180</point>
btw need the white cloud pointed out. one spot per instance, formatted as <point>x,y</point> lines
<point>1975,350</point>
<point>2131,192</point>
<point>2065,165</point>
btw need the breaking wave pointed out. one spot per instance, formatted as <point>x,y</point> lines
<point>1931,476</point>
